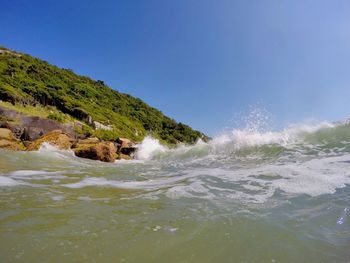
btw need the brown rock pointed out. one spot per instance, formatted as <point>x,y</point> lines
<point>91,140</point>
<point>11,145</point>
<point>123,157</point>
<point>85,142</point>
<point>128,150</point>
<point>9,141</point>
<point>30,128</point>
<point>56,138</point>
<point>124,142</point>
<point>31,133</point>
<point>102,151</point>
<point>6,134</point>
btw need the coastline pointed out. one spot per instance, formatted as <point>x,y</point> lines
<point>21,132</point>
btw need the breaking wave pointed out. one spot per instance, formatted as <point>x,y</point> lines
<point>246,165</point>
<point>324,136</point>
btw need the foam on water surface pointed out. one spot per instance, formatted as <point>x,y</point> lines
<point>284,192</point>
<point>213,170</point>
<point>148,148</point>
<point>6,181</point>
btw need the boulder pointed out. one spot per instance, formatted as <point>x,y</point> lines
<point>11,145</point>
<point>31,133</point>
<point>98,125</point>
<point>9,141</point>
<point>91,140</point>
<point>5,124</point>
<point>56,138</point>
<point>30,128</point>
<point>102,151</point>
<point>17,131</point>
<point>123,142</point>
<point>84,142</point>
<point>6,134</point>
<point>123,157</point>
<point>125,148</point>
<point>128,151</point>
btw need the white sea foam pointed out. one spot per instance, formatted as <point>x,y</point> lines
<point>146,185</point>
<point>49,150</point>
<point>321,175</point>
<point>47,147</point>
<point>148,148</point>
<point>313,178</point>
<point>242,138</point>
<point>6,181</point>
<point>36,174</point>
<point>194,189</point>
<point>257,184</point>
<point>24,173</point>
<point>88,198</point>
<point>214,170</point>
<point>57,198</point>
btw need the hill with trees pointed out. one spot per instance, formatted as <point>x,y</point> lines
<point>30,84</point>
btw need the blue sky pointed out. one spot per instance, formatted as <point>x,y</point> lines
<point>201,62</point>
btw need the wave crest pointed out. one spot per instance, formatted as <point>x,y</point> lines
<point>252,141</point>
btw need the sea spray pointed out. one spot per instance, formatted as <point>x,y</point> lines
<point>230,143</point>
<point>273,194</point>
<point>148,148</point>
<point>343,216</point>
<point>6,181</point>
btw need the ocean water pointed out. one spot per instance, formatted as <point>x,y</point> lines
<point>246,196</point>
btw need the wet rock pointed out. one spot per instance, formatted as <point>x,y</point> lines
<point>128,151</point>
<point>91,140</point>
<point>6,134</point>
<point>31,133</point>
<point>17,131</point>
<point>5,124</point>
<point>30,128</point>
<point>9,141</point>
<point>102,151</point>
<point>85,142</point>
<point>26,143</point>
<point>125,148</point>
<point>98,125</point>
<point>11,145</point>
<point>56,138</point>
<point>124,142</point>
<point>121,156</point>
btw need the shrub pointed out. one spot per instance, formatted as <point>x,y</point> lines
<point>5,118</point>
<point>106,135</point>
<point>24,78</point>
<point>56,116</point>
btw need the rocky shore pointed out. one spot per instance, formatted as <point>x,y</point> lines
<point>28,133</point>
<point>90,148</point>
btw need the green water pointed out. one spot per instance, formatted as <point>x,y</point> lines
<point>273,202</point>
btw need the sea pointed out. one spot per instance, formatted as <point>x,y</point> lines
<point>247,195</point>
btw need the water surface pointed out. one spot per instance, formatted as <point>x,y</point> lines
<point>243,197</point>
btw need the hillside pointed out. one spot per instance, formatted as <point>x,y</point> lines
<point>32,85</point>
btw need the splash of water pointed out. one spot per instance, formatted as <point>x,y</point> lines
<point>149,148</point>
<point>342,217</point>
<point>254,134</point>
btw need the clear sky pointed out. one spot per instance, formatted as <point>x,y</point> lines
<point>201,62</point>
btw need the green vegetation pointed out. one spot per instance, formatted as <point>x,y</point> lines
<point>34,86</point>
<point>36,110</point>
<point>56,116</point>
<point>49,112</point>
<point>106,135</point>
<point>84,129</point>
<point>5,118</point>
